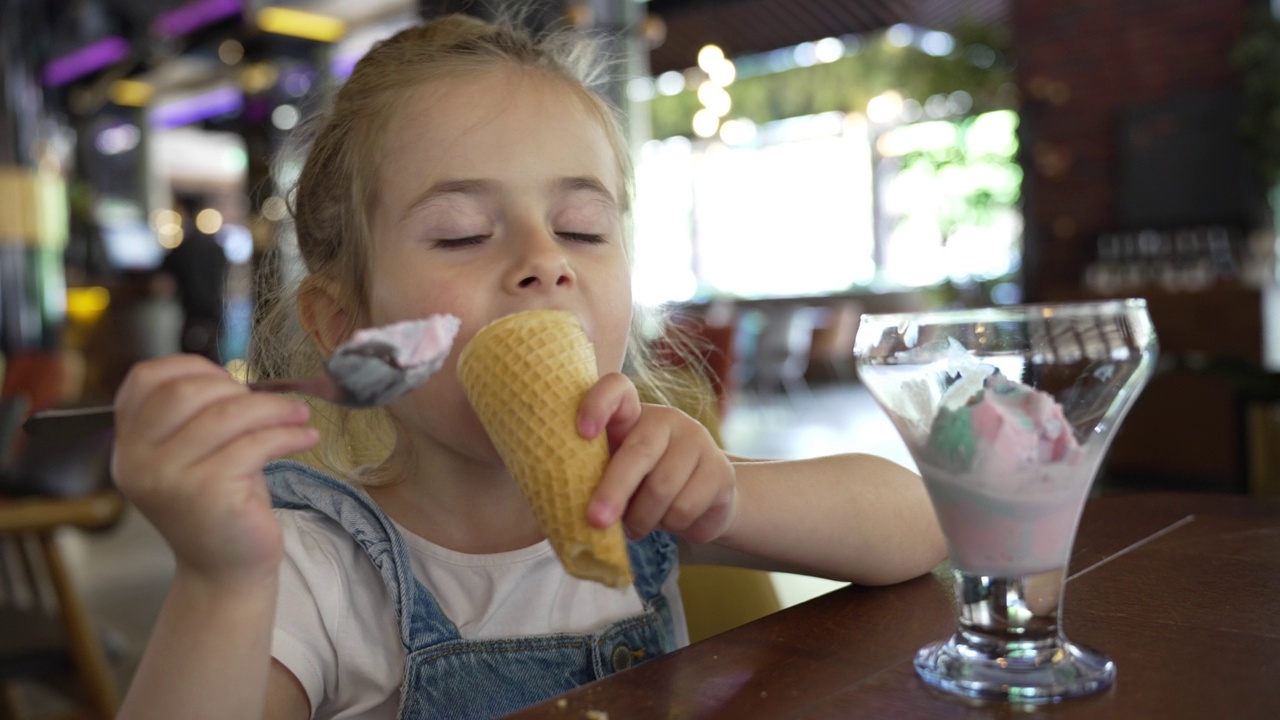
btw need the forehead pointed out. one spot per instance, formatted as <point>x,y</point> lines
<point>509,124</point>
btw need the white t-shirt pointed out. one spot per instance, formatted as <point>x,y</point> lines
<point>336,629</point>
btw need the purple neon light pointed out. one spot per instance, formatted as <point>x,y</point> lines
<point>194,16</point>
<point>197,108</point>
<point>341,66</point>
<point>92,57</point>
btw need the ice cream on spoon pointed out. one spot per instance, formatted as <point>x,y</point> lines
<point>378,365</point>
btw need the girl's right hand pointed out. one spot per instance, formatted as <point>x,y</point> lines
<point>190,446</point>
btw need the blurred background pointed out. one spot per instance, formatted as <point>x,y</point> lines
<point>798,163</point>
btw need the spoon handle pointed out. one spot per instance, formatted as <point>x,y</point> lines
<point>75,422</point>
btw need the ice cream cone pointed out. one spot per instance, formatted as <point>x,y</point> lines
<point>525,375</point>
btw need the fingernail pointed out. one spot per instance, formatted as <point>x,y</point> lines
<point>587,429</point>
<point>600,514</point>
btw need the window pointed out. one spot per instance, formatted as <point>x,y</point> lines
<point>793,207</point>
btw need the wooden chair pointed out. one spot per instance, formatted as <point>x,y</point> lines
<point>46,633</point>
<point>831,349</point>
<point>720,598</point>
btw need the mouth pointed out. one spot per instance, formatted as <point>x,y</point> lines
<point>582,323</point>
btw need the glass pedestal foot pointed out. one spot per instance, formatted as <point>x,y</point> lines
<point>1043,674</point>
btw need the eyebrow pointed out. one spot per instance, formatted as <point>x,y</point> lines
<point>477,187</point>
<point>589,184</point>
<point>450,187</point>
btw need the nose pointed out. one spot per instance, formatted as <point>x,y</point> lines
<point>541,264</point>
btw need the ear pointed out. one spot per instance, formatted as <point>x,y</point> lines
<point>324,314</point>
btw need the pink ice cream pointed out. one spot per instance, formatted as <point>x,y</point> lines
<point>378,365</point>
<point>418,344</point>
<point>1004,428</point>
<point>1001,469</point>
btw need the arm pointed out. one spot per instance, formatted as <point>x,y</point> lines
<point>860,518</point>
<point>189,450</point>
<point>210,652</point>
<point>852,517</point>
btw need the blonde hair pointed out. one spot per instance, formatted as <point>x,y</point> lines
<point>333,194</point>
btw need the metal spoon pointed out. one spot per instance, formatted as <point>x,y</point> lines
<point>363,375</point>
<point>360,374</point>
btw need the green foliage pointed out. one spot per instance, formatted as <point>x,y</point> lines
<point>847,84</point>
<point>1257,56</point>
<point>977,206</point>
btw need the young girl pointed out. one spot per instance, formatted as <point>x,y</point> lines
<point>464,168</point>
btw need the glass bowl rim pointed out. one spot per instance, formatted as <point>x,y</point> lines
<point>1008,313</point>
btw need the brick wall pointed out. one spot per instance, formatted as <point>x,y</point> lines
<point>1081,65</point>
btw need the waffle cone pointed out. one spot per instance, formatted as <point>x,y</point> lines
<point>525,375</point>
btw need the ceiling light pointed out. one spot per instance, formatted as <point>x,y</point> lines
<point>195,108</point>
<point>710,56</point>
<point>285,117</point>
<point>715,98</point>
<point>230,51</point>
<point>828,49</point>
<point>885,107</point>
<point>193,16</point>
<point>705,123</point>
<point>670,82</point>
<point>130,93</point>
<point>86,60</point>
<point>297,23</point>
<point>723,73</point>
<point>209,221</point>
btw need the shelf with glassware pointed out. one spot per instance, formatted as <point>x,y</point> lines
<point>1213,298</point>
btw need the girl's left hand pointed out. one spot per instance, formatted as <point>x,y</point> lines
<point>666,471</point>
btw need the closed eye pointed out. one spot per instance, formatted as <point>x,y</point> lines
<point>588,238</point>
<point>448,243</point>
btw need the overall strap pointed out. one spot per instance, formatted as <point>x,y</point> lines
<point>652,558</point>
<point>294,485</point>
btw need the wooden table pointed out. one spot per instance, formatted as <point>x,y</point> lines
<point>1181,590</point>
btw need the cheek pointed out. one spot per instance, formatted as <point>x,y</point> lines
<point>614,334</point>
<point>611,353</point>
<point>408,296</point>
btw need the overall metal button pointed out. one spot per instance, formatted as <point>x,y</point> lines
<point>621,658</point>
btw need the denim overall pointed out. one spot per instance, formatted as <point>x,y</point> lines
<point>447,676</point>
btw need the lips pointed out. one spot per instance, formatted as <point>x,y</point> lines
<point>586,327</point>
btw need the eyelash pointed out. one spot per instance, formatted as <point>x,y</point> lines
<point>450,243</point>
<point>587,238</point>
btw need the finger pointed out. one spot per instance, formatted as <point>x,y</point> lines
<point>692,501</point>
<point>717,517</point>
<point>638,454</point>
<point>612,404</point>
<point>652,502</point>
<point>222,483</point>
<point>222,422</point>
<point>147,375</point>
<point>172,404</point>
<point>246,455</point>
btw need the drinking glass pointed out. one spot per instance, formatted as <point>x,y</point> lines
<point>1008,412</point>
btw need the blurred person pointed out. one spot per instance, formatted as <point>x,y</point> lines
<point>142,321</point>
<point>199,267</point>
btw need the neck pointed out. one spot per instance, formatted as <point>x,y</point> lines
<point>460,503</point>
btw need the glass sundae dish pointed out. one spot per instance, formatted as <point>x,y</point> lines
<point>1008,413</point>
